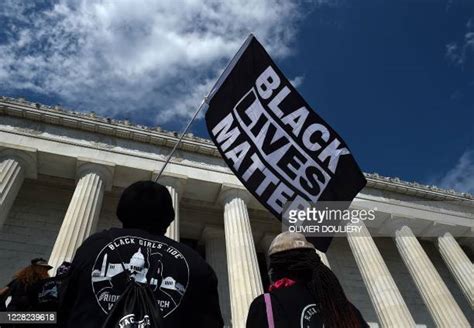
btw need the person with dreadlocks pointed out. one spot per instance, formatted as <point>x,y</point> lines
<point>304,292</point>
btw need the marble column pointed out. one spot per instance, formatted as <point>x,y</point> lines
<point>438,299</point>
<point>11,178</point>
<point>14,167</point>
<point>244,275</point>
<point>173,229</point>
<point>83,212</point>
<point>175,184</point>
<point>389,305</point>
<point>214,242</point>
<point>459,264</point>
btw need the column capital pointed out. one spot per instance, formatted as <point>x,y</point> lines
<point>447,234</point>
<point>176,181</point>
<point>104,169</point>
<point>404,231</point>
<point>231,191</point>
<point>27,157</point>
<point>393,222</point>
<point>212,232</point>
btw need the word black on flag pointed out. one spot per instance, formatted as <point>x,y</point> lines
<point>279,148</point>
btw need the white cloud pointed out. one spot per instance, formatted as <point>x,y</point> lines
<point>461,176</point>
<point>459,52</point>
<point>297,81</point>
<point>138,58</point>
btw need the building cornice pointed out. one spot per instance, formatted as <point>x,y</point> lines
<point>126,130</point>
<point>375,180</point>
<point>93,123</point>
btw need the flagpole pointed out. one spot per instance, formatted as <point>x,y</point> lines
<point>207,99</point>
<point>203,104</point>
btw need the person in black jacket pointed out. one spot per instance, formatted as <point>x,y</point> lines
<point>22,288</point>
<point>183,284</point>
<point>304,292</point>
<point>48,293</point>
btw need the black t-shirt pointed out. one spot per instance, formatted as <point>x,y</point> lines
<point>184,285</point>
<point>293,307</point>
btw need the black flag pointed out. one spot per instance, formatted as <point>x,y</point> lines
<point>277,146</point>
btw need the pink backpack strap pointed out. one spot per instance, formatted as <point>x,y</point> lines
<point>268,306</point>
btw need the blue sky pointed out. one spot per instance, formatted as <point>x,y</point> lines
<point>394,78</point>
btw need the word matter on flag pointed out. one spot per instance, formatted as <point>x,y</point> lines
<point>278,147</point>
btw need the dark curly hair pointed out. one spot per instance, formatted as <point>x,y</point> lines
<point>31,274</point>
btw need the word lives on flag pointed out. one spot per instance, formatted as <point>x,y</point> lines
<point>278,147</point>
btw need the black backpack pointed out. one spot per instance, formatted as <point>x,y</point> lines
<point>135,308</point>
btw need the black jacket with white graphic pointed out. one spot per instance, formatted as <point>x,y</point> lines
<point>293,307</point>
<point>23,296</point>
<point>183,284</point>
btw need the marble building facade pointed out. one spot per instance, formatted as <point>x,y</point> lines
<point>61,174</point>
